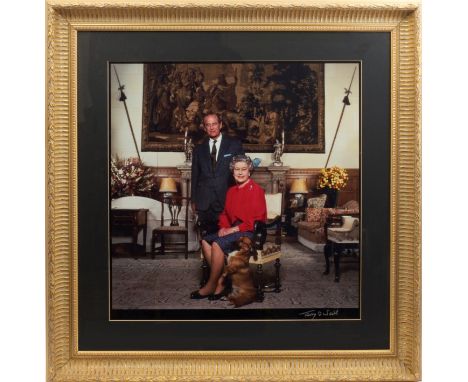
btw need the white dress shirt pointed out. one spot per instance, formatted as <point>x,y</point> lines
<point>218,144</point>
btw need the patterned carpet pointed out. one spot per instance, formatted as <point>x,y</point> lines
<point>166,282</point>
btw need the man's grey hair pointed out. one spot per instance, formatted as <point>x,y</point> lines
<point>241,158</point>
<point>217,115</point>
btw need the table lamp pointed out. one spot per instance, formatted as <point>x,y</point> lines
<point>298,188</point>
<point>168,187</point>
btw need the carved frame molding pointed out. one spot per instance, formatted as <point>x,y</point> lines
<point>65,362</point>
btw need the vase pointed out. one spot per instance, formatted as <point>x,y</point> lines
<point>332,197</point>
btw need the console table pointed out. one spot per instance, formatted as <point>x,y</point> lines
<point>129,222</point>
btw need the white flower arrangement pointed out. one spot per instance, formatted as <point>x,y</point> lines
<point>129,177</point>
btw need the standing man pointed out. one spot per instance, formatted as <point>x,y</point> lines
<point>211,176</point>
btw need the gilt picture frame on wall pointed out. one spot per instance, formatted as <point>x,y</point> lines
<point>103,99</point>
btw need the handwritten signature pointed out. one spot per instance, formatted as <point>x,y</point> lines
<point>319,313</point>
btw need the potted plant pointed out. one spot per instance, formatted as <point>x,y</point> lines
<point>330,181</point>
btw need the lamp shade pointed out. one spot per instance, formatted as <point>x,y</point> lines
<point>168,185</point>
<point>299,186</point>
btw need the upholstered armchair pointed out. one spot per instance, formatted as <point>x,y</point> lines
<point>311,230</point>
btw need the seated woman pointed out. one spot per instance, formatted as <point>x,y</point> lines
<point>245,203</point>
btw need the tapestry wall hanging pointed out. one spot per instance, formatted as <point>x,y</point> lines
<point>256,101</point>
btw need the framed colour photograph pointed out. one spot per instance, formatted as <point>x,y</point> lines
<point>297,125</point>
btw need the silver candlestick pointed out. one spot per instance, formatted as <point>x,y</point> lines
<point>279,148</point>
<point>188,151</point>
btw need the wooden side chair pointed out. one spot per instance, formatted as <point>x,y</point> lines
<point>172,227</point>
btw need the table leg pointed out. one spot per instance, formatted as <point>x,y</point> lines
<point>134,241</point>
<point>144,238</point>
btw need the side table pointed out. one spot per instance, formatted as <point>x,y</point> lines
<point>129,222</point>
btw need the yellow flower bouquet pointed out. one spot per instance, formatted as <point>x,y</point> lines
<point>334,178</point>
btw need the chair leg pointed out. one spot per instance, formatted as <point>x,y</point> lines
<point>336,260</point>
<point>205,273</point>
<point>186,246</point>
<point>153,245</point>
<point>277,279</point>
<point>144,240</point>
<point>278,235</point>
<point>162,249</point>
<point>327,252</point>
<point>260,294</point>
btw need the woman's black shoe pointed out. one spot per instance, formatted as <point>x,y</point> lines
<point>195,295</point>
<point>218,296</point>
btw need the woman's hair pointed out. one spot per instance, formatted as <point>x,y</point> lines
<point>241,158</point>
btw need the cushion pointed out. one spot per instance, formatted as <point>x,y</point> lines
<point>273,202</point>
<point>341,211</point>
<point>270,248</point>
<point>319,214</point>
<point>309,225</point>
<point>351,205</point>
<point>271,215</point>
<point>349,223</point>
<point>269,253</point>
<point>298,216</point>
<point>348,232</point>
<point>317,202</point>
<point>314,214</point>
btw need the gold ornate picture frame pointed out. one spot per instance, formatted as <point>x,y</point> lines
<point>66,359</point>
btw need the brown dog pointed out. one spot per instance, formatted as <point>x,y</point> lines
<point>243,289</point>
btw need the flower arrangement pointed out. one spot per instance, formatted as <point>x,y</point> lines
<point>334,178</point>
<point>129,176</point>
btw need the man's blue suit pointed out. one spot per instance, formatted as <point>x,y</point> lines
<point>208,187</point>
